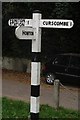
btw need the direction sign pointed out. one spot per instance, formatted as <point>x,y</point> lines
<point>20,22</point>
<point>45,23</point>
<point>53,23</point>
<point>25,33</point>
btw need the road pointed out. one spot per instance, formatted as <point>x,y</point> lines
<point>69,96</point>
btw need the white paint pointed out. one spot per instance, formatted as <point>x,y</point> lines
<point>36,44</point>
<point>35,73</point>
<point>35,105</point>
<point>35,66</point>
<point>23,32</point>
<point>20,22</point>
<point>56,23</point>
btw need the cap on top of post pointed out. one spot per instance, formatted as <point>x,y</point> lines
<point>36,11</point>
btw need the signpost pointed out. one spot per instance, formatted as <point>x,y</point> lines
<point>25,33</point>
<point>53,23</point>
<point>31,29</point>
<point>44,23</point>
<point>20,22</point>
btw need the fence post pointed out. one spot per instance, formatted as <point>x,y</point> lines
<point>56,93</point>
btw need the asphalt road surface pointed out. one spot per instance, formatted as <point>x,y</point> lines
<point>69,96</point>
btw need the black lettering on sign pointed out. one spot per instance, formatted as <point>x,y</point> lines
<point>28,22</point>
<point>44,23</point>
<point>15,22</point>
<point>27,32</point>
<point>66,23</point>
<point>30,33</point>
<point>56,23</point>
<point>21,22</point>
<point>11,22</point>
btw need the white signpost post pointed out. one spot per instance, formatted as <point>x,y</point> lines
<point>31,29</point>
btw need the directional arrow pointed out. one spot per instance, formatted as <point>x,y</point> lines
<point>20,22</point>
<point>56,23</point>
<point>25,33</point>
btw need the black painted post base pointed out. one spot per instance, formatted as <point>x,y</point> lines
<point>34,116</point>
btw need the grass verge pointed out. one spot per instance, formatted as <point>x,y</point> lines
<point>19,109</point>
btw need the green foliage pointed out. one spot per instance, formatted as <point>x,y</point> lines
<point>14,109</point>
<point>19,109</point>
<point>49,112</point>
<point>53,40</point>
<point>0,108</point>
